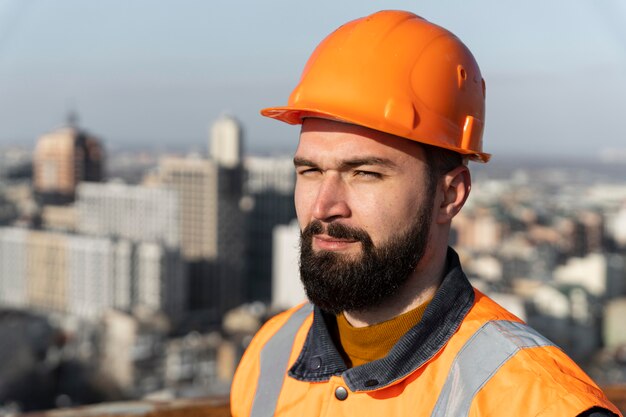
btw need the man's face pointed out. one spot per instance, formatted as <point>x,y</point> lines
<point>364,205</point>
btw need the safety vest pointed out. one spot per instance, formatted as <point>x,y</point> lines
<point>485,363</point>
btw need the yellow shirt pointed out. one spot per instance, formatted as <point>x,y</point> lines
<point>365,344</point>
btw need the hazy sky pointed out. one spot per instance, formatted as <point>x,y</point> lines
<point>158,72</point>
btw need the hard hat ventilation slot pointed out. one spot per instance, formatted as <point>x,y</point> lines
<point>462,76</point>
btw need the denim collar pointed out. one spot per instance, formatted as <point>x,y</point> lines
<point>319,359</point>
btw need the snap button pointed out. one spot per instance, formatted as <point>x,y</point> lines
<point>341,393</point>
<point>316,363</point>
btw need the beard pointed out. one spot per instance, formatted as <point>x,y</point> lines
<point>338,282</point>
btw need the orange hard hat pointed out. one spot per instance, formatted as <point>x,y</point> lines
<point>395,72</point>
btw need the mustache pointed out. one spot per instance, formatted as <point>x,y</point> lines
<point>336,230</point>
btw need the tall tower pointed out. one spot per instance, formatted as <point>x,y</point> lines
<point>225,144</point>
<point>226,149</point>
<point>269,185</point>
<point>195,182</point>
<point>62,159</point>
<point>209,225</point>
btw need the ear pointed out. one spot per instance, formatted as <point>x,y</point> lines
<point>453,189</point>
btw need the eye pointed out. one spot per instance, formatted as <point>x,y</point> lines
<point>368,174</point>
<point>308,171</point>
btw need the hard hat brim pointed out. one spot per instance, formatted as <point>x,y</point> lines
<point>294,116</point>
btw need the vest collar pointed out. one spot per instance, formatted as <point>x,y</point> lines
<point>319,358</point>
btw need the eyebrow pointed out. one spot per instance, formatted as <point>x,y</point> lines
<point>349,163</point>
<point>299,162</point>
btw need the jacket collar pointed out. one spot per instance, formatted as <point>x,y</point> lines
<point>319,359</point>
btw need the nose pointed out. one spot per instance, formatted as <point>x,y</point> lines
<point>330,202</point>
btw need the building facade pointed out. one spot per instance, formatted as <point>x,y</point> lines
<point>62,159</point>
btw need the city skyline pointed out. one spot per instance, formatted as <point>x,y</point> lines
<point>124,279</point>
<point>157,74</point>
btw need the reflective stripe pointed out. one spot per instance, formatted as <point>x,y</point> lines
<point>274,360</point>
<point>481,357</point>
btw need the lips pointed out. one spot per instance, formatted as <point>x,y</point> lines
<point>329,243</point>
<point>327,238</point>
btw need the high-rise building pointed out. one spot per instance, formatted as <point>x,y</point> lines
<point>226,149</point>
<point>211,231</point>
<point>62,159</point>
<point>210,219</point>
<point>225,143</point>
<point>269,187</point>
<point>194,179</point>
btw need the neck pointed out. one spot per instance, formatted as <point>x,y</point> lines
<point>419,288</point>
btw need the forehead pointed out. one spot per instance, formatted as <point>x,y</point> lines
<point>323,138</point>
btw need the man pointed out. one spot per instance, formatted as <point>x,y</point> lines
<point>391,107</point>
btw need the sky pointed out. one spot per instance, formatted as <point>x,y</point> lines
<point>157,73</point>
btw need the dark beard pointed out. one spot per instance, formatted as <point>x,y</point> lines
<point>336,282</point>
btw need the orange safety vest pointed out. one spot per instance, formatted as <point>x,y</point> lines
<point>485,362</point>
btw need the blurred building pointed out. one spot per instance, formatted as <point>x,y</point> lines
<point>569,316</point>
<point>194,179</point>
<point>617,226</point>
<point>485,267</point>
<point>62,159</point>
<point>479,230</point>
<point>211,220</point>
<point>159,278</point>
<point>603,275</point>
<point>613,326</point>
<point>226,142</point>
<point>8,210</point>
<point>59,218</point>
<point>594,230</point>
<point>138,213</point>
<point>83,276</point>
<point>287,290</point>
<point>137,353</point>
<point>132,351</point>
<point>269,187</point>
<point>117,338</point>
<point>47,272</point>
<point>581,234</point>
<point>13,286</point>
<point>21,195</point>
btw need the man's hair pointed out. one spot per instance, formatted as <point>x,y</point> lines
<point>440,162</point>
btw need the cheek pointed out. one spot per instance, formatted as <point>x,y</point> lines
<point>376,212</point>
<point>393,213</point>
<point>303,204</point>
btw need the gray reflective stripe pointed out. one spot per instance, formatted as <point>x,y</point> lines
<point>273,363</point>
<point>481,357</point>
